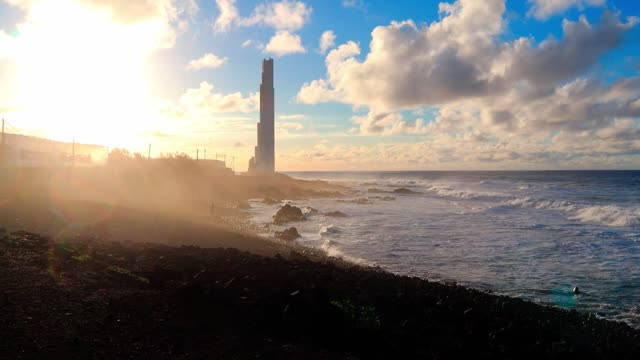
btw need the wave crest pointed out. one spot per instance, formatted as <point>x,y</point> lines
<point>609,215</point>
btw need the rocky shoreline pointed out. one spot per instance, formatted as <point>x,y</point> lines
<point>91,298</point>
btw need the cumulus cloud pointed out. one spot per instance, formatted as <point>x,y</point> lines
<point>327,41</point>
<point>290,126</point>
<point>543,9</point>
<point>582,104</point>
<point>457,58</point>
<point>285,43</point>
<point>283,15</point>
<point>228,15</point>
<point>292,117</point>
<point>247,43</point>
<point>205,101</point>
<point>557,60</point>
<point>516,103</point>
<point>208,60</point>
<point>388,124</point>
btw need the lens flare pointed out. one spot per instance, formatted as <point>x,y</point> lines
<point>67,192</point>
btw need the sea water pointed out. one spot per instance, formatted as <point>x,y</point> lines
<point>532,235</point>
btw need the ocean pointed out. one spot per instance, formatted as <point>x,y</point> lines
<point>533,235</point>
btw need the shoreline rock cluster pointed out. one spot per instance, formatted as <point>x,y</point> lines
<point>288,213</point>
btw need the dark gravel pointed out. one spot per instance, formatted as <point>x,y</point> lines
<point>87,298</point>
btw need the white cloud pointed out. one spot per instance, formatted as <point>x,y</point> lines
<point>388,124</point>
<point>228,15</point>
<point>292,117</point>
<point>327,41</point>
<point>284,43</point>
<point>457,58</point>
<point>543,9</point>
<point>283,15</point>
<point>290,126</point>
<point>355,4</point>
<point>208,60</point>
<point>498,104</point>
<point>204,101</point>
<point>247,43</point>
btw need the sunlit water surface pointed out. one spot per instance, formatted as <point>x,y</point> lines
<point>532,235</point>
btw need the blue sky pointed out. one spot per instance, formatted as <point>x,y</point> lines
<point>464,84</point>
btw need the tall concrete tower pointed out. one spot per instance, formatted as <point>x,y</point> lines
<point>264,161</point>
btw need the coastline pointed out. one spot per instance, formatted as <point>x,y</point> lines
<point>159,284</point>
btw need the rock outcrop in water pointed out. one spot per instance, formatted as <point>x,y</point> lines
<point>404,191</point>
<point>336,214</point>
<point>270,201</point>
<point>359,201</point>
<point>289,234</point>
<point>288,213</point>
<point>383,198</point>
<point>376,191</point>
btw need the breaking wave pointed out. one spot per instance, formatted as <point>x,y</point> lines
<point>449,192</point>
<point>330,247</point>
<point>609,215</point>
<point>330,230</point>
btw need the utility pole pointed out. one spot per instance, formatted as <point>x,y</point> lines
<point>197,154</point>
<point>225,159</point>
<point>73,153</point>
<point>2,150</point>
<point>149,153</point>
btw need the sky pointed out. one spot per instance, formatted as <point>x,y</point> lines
<point>360,84</point>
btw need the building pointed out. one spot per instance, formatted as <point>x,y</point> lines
<point>30,151</point>
<point>264,160</point>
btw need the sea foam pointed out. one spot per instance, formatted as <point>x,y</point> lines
<point>610,215</point>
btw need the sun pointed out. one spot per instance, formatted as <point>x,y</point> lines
<point>82,75</point>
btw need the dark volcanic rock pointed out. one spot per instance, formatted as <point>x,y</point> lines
<point>336,214</point>
<point>150,301</point>
<point>376,191</point>
<point>289,234</point>
<point>383,198</point>
<point>270,201</point>
<point>404,191</point>
<point>359,201</point>
<point>288,213</point>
